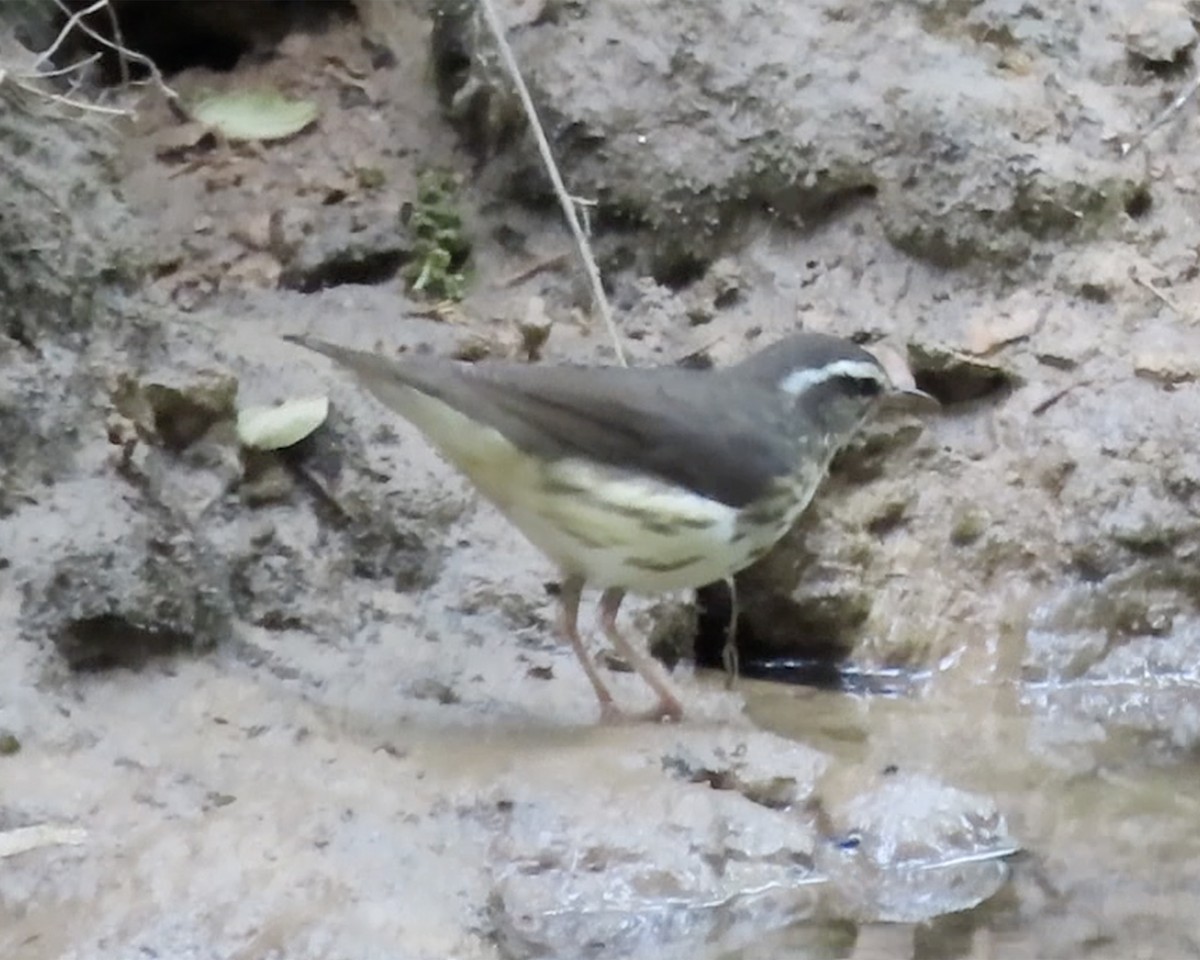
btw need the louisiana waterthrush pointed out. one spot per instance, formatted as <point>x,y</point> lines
<point>643,480</point>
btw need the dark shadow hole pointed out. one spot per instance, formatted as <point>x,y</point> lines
<point>696,360</point>
<point>1089,569</point>
<point>837,202</point>
<point>824,668</point>
<point>809,207</point>
<point>679,270</point>
<point>1177,66</point>
<point>192,33</point>
<point>963,384</point>
<point>841,677</point>
<point>1139,203</point>
<point>369,268</point>
<point>755,658</point>
<point>450,53</point>
<point>181,419</point>
<point>108,641</point>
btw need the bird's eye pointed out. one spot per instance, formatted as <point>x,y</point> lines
<point>863,386</point>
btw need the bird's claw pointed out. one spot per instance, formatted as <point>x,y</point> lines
<point>664,711</point>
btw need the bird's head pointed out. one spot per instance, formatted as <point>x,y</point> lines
<point>829,382</point>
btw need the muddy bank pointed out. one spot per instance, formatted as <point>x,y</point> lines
<point>331,679</point>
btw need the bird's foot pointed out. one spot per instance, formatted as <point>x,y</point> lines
<point>664,711</point>
<point>667,710</point>
<point>610,713</point>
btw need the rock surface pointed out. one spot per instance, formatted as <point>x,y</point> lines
<point>326,713</point>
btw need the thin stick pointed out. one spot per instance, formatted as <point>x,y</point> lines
<point>73,18</point>
<point>76,19</point>
<point>1147,285</point>
<point>729,653</point>
<point>1168,112</point>
<point>68,102</point>
<point>63,71</point>
<point>564,198</point>
<point>550,263</point>
<point>122,60</point>
<point>1051,400</point>
<point>27,79</point>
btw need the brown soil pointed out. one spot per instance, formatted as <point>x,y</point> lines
<point>321,711</point>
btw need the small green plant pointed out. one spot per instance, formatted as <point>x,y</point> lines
<point>441,246</point>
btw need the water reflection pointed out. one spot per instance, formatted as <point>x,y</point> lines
<point>1105,801</point>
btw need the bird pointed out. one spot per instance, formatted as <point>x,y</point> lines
<point>637,480</point>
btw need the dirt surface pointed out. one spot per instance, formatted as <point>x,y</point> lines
<point>312,704</point>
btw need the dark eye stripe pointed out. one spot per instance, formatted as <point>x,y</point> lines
<point>863,386</point>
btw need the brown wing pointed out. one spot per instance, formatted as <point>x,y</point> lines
<point>723,438</point>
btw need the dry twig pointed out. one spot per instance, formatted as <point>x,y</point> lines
<point>1044,405</point>
<point>729,653</point>
<point>28,77</point>
<point>1167,113</point>
<point>1158,294</point>
<point>566,201</point>
<point>549,263</point>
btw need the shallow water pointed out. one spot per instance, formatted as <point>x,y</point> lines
<point>1109,818</point>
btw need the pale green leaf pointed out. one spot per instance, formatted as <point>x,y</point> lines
<point>254,114</point>
<point>273,428</point>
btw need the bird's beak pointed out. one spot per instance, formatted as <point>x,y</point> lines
<point>904,396</point>
<point>911,400</point>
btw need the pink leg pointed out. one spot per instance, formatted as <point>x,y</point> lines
<point>572,587</point>
<point>669,706</point>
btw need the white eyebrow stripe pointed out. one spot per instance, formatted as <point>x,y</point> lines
<point>798,381</point>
